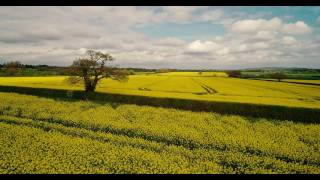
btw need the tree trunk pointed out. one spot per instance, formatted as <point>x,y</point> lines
<point>90,87</point>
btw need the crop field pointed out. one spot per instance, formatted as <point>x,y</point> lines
<point>47,135</point>
<point>45,128</point>
<point>197,87</point>
<point>159,90</point>
<point>194,74</point>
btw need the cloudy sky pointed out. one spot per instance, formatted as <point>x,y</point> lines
<point>164,37</point>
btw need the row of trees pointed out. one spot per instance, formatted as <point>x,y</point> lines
<point>13,68</point>
<point>16,68</point>
<point>237,74</point>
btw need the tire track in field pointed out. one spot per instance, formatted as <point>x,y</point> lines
<point>145,87</point>
<point>118,141</point>
<point>131,133</point>
<point>208,89</point>
<point>82,133</point>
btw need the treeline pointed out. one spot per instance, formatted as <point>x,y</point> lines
<point>16,68</point>
<point>274,75</point>
<point>286,70</point>
<point>278,75</point>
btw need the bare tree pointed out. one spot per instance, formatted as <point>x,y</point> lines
<point>92,69</point>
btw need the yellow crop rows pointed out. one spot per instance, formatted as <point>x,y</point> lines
<point>41,135</point>
<point>50,134</point>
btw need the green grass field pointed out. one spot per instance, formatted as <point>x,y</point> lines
<point>134,127</point>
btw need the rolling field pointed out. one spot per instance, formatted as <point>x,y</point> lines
<point>45,135</point>
<point>159,90</point>
<point>46,128</point>
<point>194,74</point>
<point>221,89</point>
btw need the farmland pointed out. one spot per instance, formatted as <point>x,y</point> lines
<point>190,85</point>
<point>47,128</point>
<point>90,137</point>
<point>159,90</point>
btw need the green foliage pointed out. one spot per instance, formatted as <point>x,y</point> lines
<point>131,72</point>
<point>234,73</point>
<point>279,76</point>
<point>13,68</point>
<point>31,71</point>
<point>93,68</point>
<point>307,74</point>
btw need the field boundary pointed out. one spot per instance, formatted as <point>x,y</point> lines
<point>291,82</point>
<point>298,114</point>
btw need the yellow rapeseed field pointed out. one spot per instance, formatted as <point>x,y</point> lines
<point>199,87</point>
<point>47,135</point>
<point>52,133</point>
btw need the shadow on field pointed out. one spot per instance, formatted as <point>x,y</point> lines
<point>304,115</point>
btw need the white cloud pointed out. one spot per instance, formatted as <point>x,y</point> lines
<point>260,45</point>
<point>211,15</point>
<point>252,26</point>
<point>223,51</point>
<point>180,14</point>
<point>241,48</point>
<point>170,41</point>
<point>202,47</point>
<point>297,28</point>
<point>288,40</point>
<point>57,35</point>
<point>265,35</point>
<point>272,25</point>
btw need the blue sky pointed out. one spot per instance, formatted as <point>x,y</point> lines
<point>164,37</point>
<point>192,30</point>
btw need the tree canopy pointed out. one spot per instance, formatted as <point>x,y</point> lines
<point>92,68</point>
